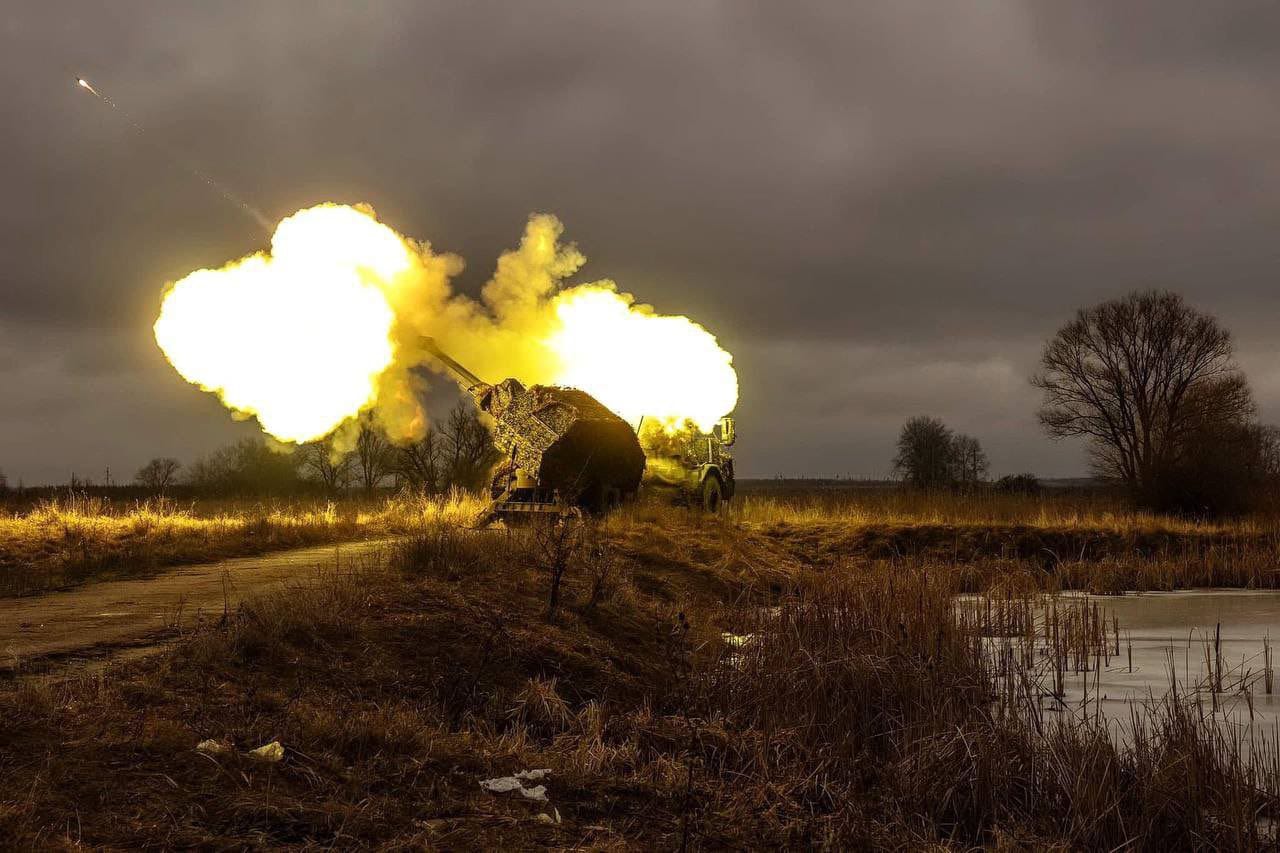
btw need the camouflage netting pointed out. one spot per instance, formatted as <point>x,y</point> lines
<point>566,439</point>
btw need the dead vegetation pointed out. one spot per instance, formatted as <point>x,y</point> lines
<point>74,539</point>
<point>1060,509</point>
<point>1055,541</point>
<point>1073,540</point>
<point>704,684</point>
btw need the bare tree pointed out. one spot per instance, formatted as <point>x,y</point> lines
<point>1141,377</point>
<point>328,465</point>
<point>373,456</point>
<point>926,457</point>
<point>468,447</point>
<point>250,466</point>
<point>158,474</point>
<point>969,460</point>
<point>458,454</point>
<point>418,463</point>
<point>1235,466</point>
<point>1263,451</point>
<point>554,548</point>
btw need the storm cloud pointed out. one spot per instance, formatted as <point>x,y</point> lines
<point>882,209</point>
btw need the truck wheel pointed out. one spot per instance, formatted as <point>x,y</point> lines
<point>711,494</point>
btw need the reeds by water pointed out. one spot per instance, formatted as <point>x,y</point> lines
<point>963,705</point>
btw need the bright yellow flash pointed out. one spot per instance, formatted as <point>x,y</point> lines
<point>297,337</point>
<point>329,323</point>
<point>641,364</point>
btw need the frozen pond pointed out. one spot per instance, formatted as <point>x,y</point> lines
<point>1096,655</point>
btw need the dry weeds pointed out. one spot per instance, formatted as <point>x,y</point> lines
<point>64,542</point>
<point>1062,540</point>
<point>854,711</point>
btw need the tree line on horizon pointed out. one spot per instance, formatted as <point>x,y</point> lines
<point>457,453</point>
<point>1153,386</point>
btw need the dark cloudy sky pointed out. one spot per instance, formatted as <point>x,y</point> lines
<point>882,209</point>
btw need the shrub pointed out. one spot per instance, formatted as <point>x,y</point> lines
<point>1019,484</point>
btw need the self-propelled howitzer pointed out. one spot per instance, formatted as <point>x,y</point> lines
<point>561,447</point>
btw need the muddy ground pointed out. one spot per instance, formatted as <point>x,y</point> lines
<point>90,621</point>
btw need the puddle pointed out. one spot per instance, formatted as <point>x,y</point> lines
<point>1098,655</point>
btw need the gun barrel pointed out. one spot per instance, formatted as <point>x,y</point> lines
<point>466,377</point>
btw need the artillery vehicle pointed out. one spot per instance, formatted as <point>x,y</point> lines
<point>562,448</point>
<point>694,467</point>
<point>563,451</point>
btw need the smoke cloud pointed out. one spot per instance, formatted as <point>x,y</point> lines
<point>330,323</point>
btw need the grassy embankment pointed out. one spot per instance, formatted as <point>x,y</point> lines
<point>64,542</point>
<point>1076,541</point>
<point>860,713</point>
<point>1053,542</point>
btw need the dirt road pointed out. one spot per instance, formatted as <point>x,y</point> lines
<point>97,619</point>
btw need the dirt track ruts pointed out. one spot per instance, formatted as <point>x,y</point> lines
<point>96,619</point>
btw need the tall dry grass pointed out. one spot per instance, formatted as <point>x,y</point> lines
<point>859,710</point>
<point>1067,540</point>
<point>77,538</point>
<point>866,713</point>
<point>1047,547</point>
<point>1065,510</point>
<point>850,709</point>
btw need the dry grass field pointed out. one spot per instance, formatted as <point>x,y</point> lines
<point>1076,540</point>
<point>792,674</point>
<point>1051,509</point>
<point>76,539</point>
<point>702,684</point>
<point>1053,541</point>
